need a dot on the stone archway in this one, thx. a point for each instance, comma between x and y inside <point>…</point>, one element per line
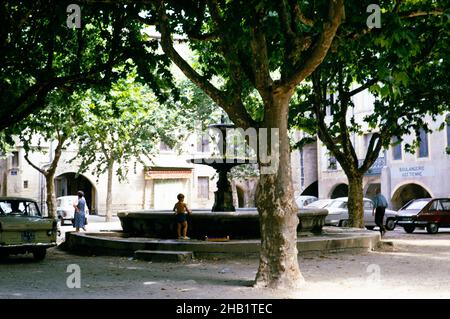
<point>406,192</point>
<point>311,190</point>
<point>69,183</point>
<point>340,190</point>
<point>240,192</point>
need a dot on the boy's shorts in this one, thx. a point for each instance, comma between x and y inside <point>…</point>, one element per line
<point>181,218</point>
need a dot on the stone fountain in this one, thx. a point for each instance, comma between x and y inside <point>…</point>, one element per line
<point>223,197</point>
<point>223,219</point>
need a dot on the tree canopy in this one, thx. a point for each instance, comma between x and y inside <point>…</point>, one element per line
<point>391,63</point>
<point>38,52</point>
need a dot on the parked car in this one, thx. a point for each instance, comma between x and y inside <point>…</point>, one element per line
<point>304,200</point>
<point>23,229</point>
<point>338,214</point>
<point>64,208</point>
<point>321,203</point>
<point>430,213</point>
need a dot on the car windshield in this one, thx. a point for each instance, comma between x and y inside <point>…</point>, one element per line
<point>18,207</point>
<point>417,204</point>
<point>338,204</point>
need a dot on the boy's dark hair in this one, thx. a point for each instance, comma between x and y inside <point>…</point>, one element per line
<point>180,196</point>
<point>80,194</point>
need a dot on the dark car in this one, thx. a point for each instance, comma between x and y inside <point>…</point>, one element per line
<point>425,212</point>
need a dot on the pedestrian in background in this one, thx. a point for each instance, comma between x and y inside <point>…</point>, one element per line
<point>80,212</point>
<point>379,207</point>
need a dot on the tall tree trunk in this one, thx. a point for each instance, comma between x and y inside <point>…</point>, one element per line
<point>278,267</point>
<point>49,175</point>
<point>355,200</point>
<point>51,197</point>
<point>109,191</point>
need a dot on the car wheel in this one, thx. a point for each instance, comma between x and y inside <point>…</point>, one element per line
<point>409,229</point>
<point>39,254</point>
<point>370,227</point>
<point>61,220</point>
<point>343,223</point>
<point>390,224</point>
<point>432,228</point>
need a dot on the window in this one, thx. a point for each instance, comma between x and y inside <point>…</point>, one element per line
<point>15,159</point>
<point>396,149</point>
<point>25,184</point>
<point>332,163</point>
<point>445,204</point>
<point>302,169</point>
<point>436,205</point>
<point>203,187</point>
<point>164,147</point>
<point>203,143</point>
<point>423,146</point>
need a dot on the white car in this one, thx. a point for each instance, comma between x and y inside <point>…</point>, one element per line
<point>304,200</point>
<point>64,208</point>
<point>321,203</point>
<point>338,214</point>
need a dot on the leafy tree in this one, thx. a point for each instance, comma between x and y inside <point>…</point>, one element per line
<point>392,63</point>
<point>240,46</point>
<point>117,126</point>
<point>39,53</point>
<point>56,122</point>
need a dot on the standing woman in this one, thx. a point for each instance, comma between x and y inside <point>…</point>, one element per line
<point>80,212</point>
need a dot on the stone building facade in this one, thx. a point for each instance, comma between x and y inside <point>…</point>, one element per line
<point>402,176</point>
<point>152,186</point>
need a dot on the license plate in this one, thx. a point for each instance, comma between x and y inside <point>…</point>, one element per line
<point>28,236</point>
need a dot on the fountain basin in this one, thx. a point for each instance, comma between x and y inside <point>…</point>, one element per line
<point>241,224</point>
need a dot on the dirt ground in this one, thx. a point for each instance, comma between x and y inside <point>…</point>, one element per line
<point>417,267</point>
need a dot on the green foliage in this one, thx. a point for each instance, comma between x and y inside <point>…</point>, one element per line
<point>38,53</point>
<point>118,125</point>
<point>392,62</point>
<point>57,121</point>
<point>128,123</point>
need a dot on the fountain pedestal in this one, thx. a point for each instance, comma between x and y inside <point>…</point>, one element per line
<point>223,197</point>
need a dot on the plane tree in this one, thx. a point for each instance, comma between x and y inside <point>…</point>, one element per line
<point>392,63</point>
<point>40,53</point>
<point>51,126</point>
<point>256,46</point>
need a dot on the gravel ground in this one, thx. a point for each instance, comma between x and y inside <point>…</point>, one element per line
<point>418,266</point>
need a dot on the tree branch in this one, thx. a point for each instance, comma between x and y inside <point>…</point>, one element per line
<point>422,13</point>
<point>298,14</point>
<point>320,47</point>
<point>363,87</point>
<point>372,152</point>
<point>40,170</point>
<point>238,114</point>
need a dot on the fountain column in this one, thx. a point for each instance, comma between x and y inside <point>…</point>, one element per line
<point>223,197</point>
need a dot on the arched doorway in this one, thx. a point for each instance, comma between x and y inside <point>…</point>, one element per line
<point>341,190</point>
<point>406,192</point>
<point>68,184</point>
<point>372,190</point>
<point>312,190</point>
